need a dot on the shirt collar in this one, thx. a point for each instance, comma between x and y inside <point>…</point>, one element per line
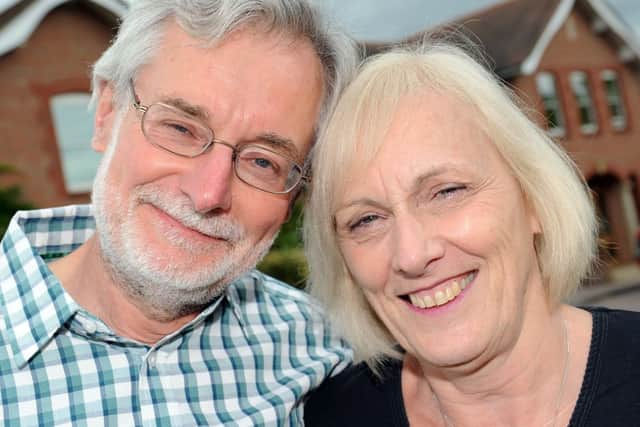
<point>33,303</point>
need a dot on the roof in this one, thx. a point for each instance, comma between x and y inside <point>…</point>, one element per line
<point>20,18</point>
<point>516,33</point>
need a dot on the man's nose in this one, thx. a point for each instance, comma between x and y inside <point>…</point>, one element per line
<point>415,246</point>
<point>209,179</point>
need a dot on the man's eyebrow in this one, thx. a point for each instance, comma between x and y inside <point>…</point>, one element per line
<point>277,142</point>
<point>195,111</point>
<point>281,145</point>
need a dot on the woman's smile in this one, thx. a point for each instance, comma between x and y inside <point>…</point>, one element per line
<point>442,293</point>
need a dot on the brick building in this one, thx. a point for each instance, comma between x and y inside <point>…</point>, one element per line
<point>578,64</point>
<point>575,61</point>
<point>46,49</point>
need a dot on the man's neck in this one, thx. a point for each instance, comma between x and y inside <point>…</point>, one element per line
<point>86,278</point>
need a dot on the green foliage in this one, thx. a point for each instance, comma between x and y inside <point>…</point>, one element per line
<point>290,234</point>
<point>286,259</point>
<point>288,265</point>
<point>10,200</point>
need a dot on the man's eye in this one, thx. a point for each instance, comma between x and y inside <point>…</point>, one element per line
<point>257,160</point>
<point>263,163</point>
<point>179,128</point>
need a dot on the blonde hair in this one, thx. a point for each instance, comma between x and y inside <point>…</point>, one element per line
<point>549,179</point>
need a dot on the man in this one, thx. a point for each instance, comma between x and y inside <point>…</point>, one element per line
<point>206,112</point>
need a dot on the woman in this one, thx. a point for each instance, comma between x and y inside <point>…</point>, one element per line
<point>444,231</point>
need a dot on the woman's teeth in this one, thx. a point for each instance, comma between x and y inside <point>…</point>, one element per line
<point>442,295</point>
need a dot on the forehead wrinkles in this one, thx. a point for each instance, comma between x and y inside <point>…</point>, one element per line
<point>241,89</point>
<point>372,184</point>
<point>218,114</point>
<point>427,120</point>
<point>360,159</point>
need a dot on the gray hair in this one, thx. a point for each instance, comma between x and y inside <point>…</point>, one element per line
<point>549,179</point>
<point>211,21</point>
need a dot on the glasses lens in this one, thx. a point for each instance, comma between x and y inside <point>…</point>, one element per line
<point>174,131</point>
<point>267,170</point>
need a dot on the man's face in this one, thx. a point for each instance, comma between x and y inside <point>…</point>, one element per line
<point>173,230</point>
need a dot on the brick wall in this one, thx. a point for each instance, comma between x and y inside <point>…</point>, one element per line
<point>609,158</point>
<point>55,59</point>
<point>576,47</point>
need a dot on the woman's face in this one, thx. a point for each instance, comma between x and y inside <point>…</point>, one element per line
<point>438,236</point>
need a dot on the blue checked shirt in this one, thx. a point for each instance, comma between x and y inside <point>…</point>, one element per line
<point>245,361</point>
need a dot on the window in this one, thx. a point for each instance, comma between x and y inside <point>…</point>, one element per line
<point>73,124</point>
<point>546,85</point>
<point>582,94</point>
<point>617,114</point>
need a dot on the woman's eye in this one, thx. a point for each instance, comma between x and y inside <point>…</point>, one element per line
<point>363,222</point>
<point>450,191</point>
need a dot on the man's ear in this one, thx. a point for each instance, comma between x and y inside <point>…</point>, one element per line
<point>104,118</point>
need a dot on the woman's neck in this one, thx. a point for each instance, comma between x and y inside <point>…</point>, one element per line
<point>521,385</point>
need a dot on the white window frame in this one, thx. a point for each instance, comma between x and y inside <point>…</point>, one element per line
<point>73,127</point>
<point>581,89</point>
<point>547,86</point>
<point>615,99</point>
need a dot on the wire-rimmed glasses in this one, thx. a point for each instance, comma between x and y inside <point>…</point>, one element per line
<point>176,131</point>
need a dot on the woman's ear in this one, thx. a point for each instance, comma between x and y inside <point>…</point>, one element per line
<point>104,118</point>
<point>534,223</point>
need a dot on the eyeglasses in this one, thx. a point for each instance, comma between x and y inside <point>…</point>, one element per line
<point>177,132</point>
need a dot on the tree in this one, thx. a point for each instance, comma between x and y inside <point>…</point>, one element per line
<point>286,259</point>
<point>11,199</point>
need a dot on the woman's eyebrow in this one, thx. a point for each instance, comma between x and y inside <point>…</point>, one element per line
<point>360,202</point>
<point>433,172</point>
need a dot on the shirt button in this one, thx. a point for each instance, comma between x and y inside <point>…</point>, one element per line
<point>151,360</point>
<point>90,326</point>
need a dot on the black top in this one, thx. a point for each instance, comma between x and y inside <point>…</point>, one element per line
<point>610,393</point>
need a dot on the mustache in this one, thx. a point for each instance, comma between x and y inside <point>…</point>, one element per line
<point>180,209</point>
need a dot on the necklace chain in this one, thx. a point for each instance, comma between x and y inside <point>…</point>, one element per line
<point>553,421</point>
<point>567,353</point>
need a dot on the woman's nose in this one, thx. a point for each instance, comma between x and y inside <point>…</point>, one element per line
<point>416,246</point>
